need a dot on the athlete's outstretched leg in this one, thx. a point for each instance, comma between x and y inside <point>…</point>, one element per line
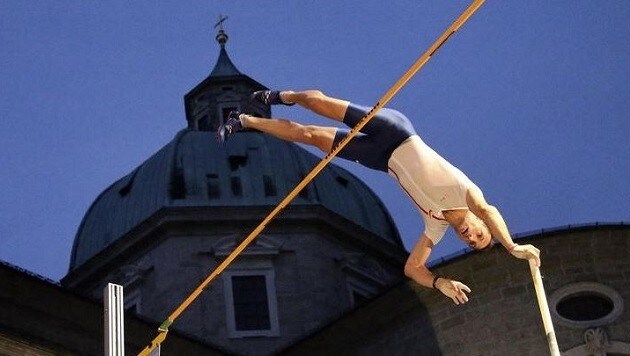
<point>319,136</point>
<point>313,100</point>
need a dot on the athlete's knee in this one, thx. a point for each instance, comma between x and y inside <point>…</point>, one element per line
<point>322,104</point>
<point>309,134</point>
<point>317,136</point>
<point>313,93</point>
<point>313,97</point>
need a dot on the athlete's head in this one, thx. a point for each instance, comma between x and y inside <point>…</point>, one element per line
<point>474,232</point>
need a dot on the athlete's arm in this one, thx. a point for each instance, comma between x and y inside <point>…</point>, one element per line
<point>497,226</point>
<point>416,269</point>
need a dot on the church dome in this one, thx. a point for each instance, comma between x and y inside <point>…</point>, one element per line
<point>252,169</point>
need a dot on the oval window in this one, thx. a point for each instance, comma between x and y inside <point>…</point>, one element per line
<point>584,307</point>
<point>585,304</point>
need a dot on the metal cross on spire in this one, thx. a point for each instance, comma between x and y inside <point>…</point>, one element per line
<point>221,36</point>
<point>219,23</point>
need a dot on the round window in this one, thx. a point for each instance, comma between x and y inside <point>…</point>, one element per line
<point>586,305</point>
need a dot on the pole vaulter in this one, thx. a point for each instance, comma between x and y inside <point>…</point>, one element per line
<point>163,329</point>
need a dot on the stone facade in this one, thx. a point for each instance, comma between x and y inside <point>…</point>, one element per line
<point>502,316</point>
<point>315,264</point>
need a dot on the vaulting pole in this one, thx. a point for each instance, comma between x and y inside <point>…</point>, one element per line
<point>163,329</point>
<point>544,309</point>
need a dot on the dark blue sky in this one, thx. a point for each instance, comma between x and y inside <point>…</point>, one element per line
<point>530,98</point>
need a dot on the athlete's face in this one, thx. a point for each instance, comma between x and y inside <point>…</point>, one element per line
<point>474,233</point>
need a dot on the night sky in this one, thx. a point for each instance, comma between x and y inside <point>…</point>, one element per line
<point>531,99</point>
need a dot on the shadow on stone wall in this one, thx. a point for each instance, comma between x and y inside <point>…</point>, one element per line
<point>395,323</point>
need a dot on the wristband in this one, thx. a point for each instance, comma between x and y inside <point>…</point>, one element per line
<point>435,280</point>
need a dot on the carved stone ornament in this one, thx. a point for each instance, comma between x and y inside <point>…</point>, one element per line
<point>596,341</point>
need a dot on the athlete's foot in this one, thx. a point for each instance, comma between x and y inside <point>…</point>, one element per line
<point>269,97</point>
<point>232,125</point>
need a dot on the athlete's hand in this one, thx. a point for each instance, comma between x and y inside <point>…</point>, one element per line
<point>526,252</point>
<point>453,289</point>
